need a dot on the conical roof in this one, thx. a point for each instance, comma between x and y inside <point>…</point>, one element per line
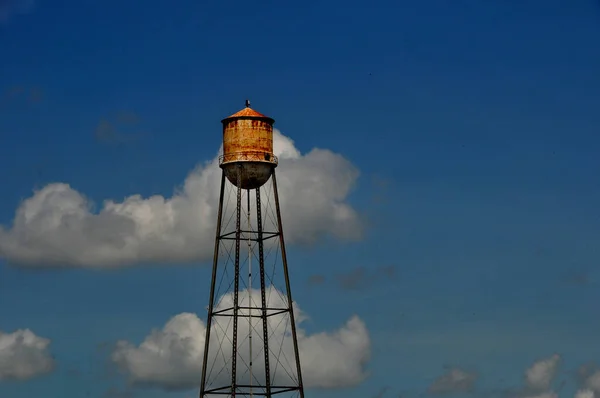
<point>248,112</point>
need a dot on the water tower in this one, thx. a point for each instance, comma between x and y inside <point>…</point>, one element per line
<point>241,322</point>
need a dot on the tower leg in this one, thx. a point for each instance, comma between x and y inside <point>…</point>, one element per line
<point>250,292</point>
<point>287,284</point>
<point>236,289</point>
<point>211,300</point>
<point>263,289</point>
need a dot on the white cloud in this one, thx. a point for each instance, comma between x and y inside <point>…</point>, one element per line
<point>58,226</point>
<point>454,380</point>
<point>541,374</point>
<point>23,355</point>
<point>592,382</point>
<point>539,378</point>
<point>171,358</point>
<point>584,394</point>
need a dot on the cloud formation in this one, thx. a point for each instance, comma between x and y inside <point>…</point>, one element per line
<point>19,93</point>
<point>23,355</point>
<point>118,131</point>
<point>455,380</point>
<point>541,374</point>
<point>362,277</point>
<point>171,358</point>
<point>538,382</point>
<point>584,394</point>
<point>590,380</point>
<point>356,279</point>
<point>539,378</point>
<point>58,225</point>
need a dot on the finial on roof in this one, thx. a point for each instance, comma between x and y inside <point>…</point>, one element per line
<point>247,103</point>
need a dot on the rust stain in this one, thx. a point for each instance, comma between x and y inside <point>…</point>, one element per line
<point>248,112</point>
<point>248,142</point>
<point>248,136</point>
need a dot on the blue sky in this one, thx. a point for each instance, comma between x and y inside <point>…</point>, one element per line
<point>474,125</point>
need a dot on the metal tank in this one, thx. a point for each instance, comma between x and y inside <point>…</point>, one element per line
<point>248,146</point>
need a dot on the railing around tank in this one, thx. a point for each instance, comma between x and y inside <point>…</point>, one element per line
<point>248,156</point>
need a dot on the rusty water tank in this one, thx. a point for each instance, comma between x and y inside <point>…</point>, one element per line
<point>248,146</point>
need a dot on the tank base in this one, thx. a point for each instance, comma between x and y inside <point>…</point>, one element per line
<point>254,174</point>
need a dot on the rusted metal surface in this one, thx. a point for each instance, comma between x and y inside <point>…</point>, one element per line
<point>249,112</point>
<point>248,157</point>
<point>248,140</point>
<point>253,174</point>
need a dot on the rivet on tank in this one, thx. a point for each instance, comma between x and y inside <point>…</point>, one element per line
<point>248,147</point>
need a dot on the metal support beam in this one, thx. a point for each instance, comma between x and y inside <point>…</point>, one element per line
<point>211,299</point>
<point>263,292</point>
<point>287,284</point>
<point>264,384</point>
<point>236,289</point>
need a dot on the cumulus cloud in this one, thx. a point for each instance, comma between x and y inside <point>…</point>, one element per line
<point>455,380</point>
<point>591,381</point>
<point>538,379</point>
<point>23,355</point>
<point>541,374</point>
<point>585,394</point>
<point>58,226</point>
<point>171,358</point>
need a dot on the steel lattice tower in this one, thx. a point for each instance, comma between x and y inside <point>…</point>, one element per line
<point>244,357</point>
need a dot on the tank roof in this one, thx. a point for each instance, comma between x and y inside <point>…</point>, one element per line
<point>248,112</point>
